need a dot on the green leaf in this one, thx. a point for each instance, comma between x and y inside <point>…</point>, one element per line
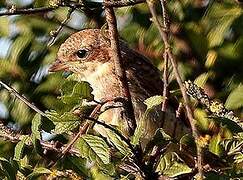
<point>233,126</point>
<point>114,139</point>
<point>35,127</point>
<point>203,78</point>
<point>8,169</point>
<point>19,148</point>
<point>38,172</point>
<point>153,101</point>
<point>201,119</point>
<point>78,164</point>
<point>63,123</point>
<point>215,145</point>
<point>65,127</point>
<point>138,132</point>
<point>222,17</point>
<point>235,99</point>
<point>4,23</point>
<point>74,92</point>
<point>188,141</point>
<point>171,165</point>
<point>19,45</point>
<point>65,117</point>
<point>93,148</point>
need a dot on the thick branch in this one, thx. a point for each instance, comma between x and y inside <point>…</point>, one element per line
<point>119,68</point>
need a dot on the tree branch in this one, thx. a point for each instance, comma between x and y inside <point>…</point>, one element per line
<point>119,68</point>
<point>57,31</point>
<point>121,3</point>
<point>21,98</point>
<point>164,33</point>
<point>14,137</point>
<point>27,11</point>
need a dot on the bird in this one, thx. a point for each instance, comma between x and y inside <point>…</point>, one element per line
<point>87,54</point>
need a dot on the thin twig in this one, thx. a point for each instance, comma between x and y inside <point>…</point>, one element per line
<point>15,138</point>
<point>83,129</point>
<point>30,11</point>
<point>119,68</point>
<point>165,83</point>
<point>7,134</point>
<point>165,72</point>
<point>121,3</point>
<point>27,11</point>
<point>164,35</point>
<point>23,99</point>
<point>57,31</point>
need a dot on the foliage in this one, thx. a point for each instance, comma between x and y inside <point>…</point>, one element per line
<point>207,42</point>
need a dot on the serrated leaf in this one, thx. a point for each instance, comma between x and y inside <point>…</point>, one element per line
<point>113,138</point>
<point>65,117</point>
<point>63,123</point>
<point>171,165</point>
<point>74,92</point>
<point>93,148</point>
<point>19,148</point>
<point>235,99</point>
<point>35,126</point>
<point>65,127</point>
<point>153,101</point>
<point>38,172</point>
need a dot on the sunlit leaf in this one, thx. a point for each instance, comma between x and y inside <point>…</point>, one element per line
<point>153,101</point>
<point>235,99</point>
<point>215,146</point>
<point>35,127</point>
<point>223,17</point>
<point>38,172</point>
<point>19,148</point>
<point>65,127</point>
<point>115,140</point>
<point>171,165</point>
<point>93,148</point>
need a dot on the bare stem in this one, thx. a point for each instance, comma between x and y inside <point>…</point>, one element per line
<point>164,32</point>
<point>26,11</point>
<point>23,99</point>
<point>121,3</point>
<point>57,31</point>
<point>14,137</point>
<point>119,67</point>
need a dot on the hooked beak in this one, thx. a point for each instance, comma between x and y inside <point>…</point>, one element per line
<point>57,66</point>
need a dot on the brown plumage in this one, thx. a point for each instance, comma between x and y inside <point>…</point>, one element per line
<point>87,54</point>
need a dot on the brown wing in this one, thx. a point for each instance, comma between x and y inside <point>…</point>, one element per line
<point>141,74</point>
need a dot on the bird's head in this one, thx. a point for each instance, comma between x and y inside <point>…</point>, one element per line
<point>82,51</point>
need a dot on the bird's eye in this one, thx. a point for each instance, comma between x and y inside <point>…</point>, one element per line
<point>82,53</point>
